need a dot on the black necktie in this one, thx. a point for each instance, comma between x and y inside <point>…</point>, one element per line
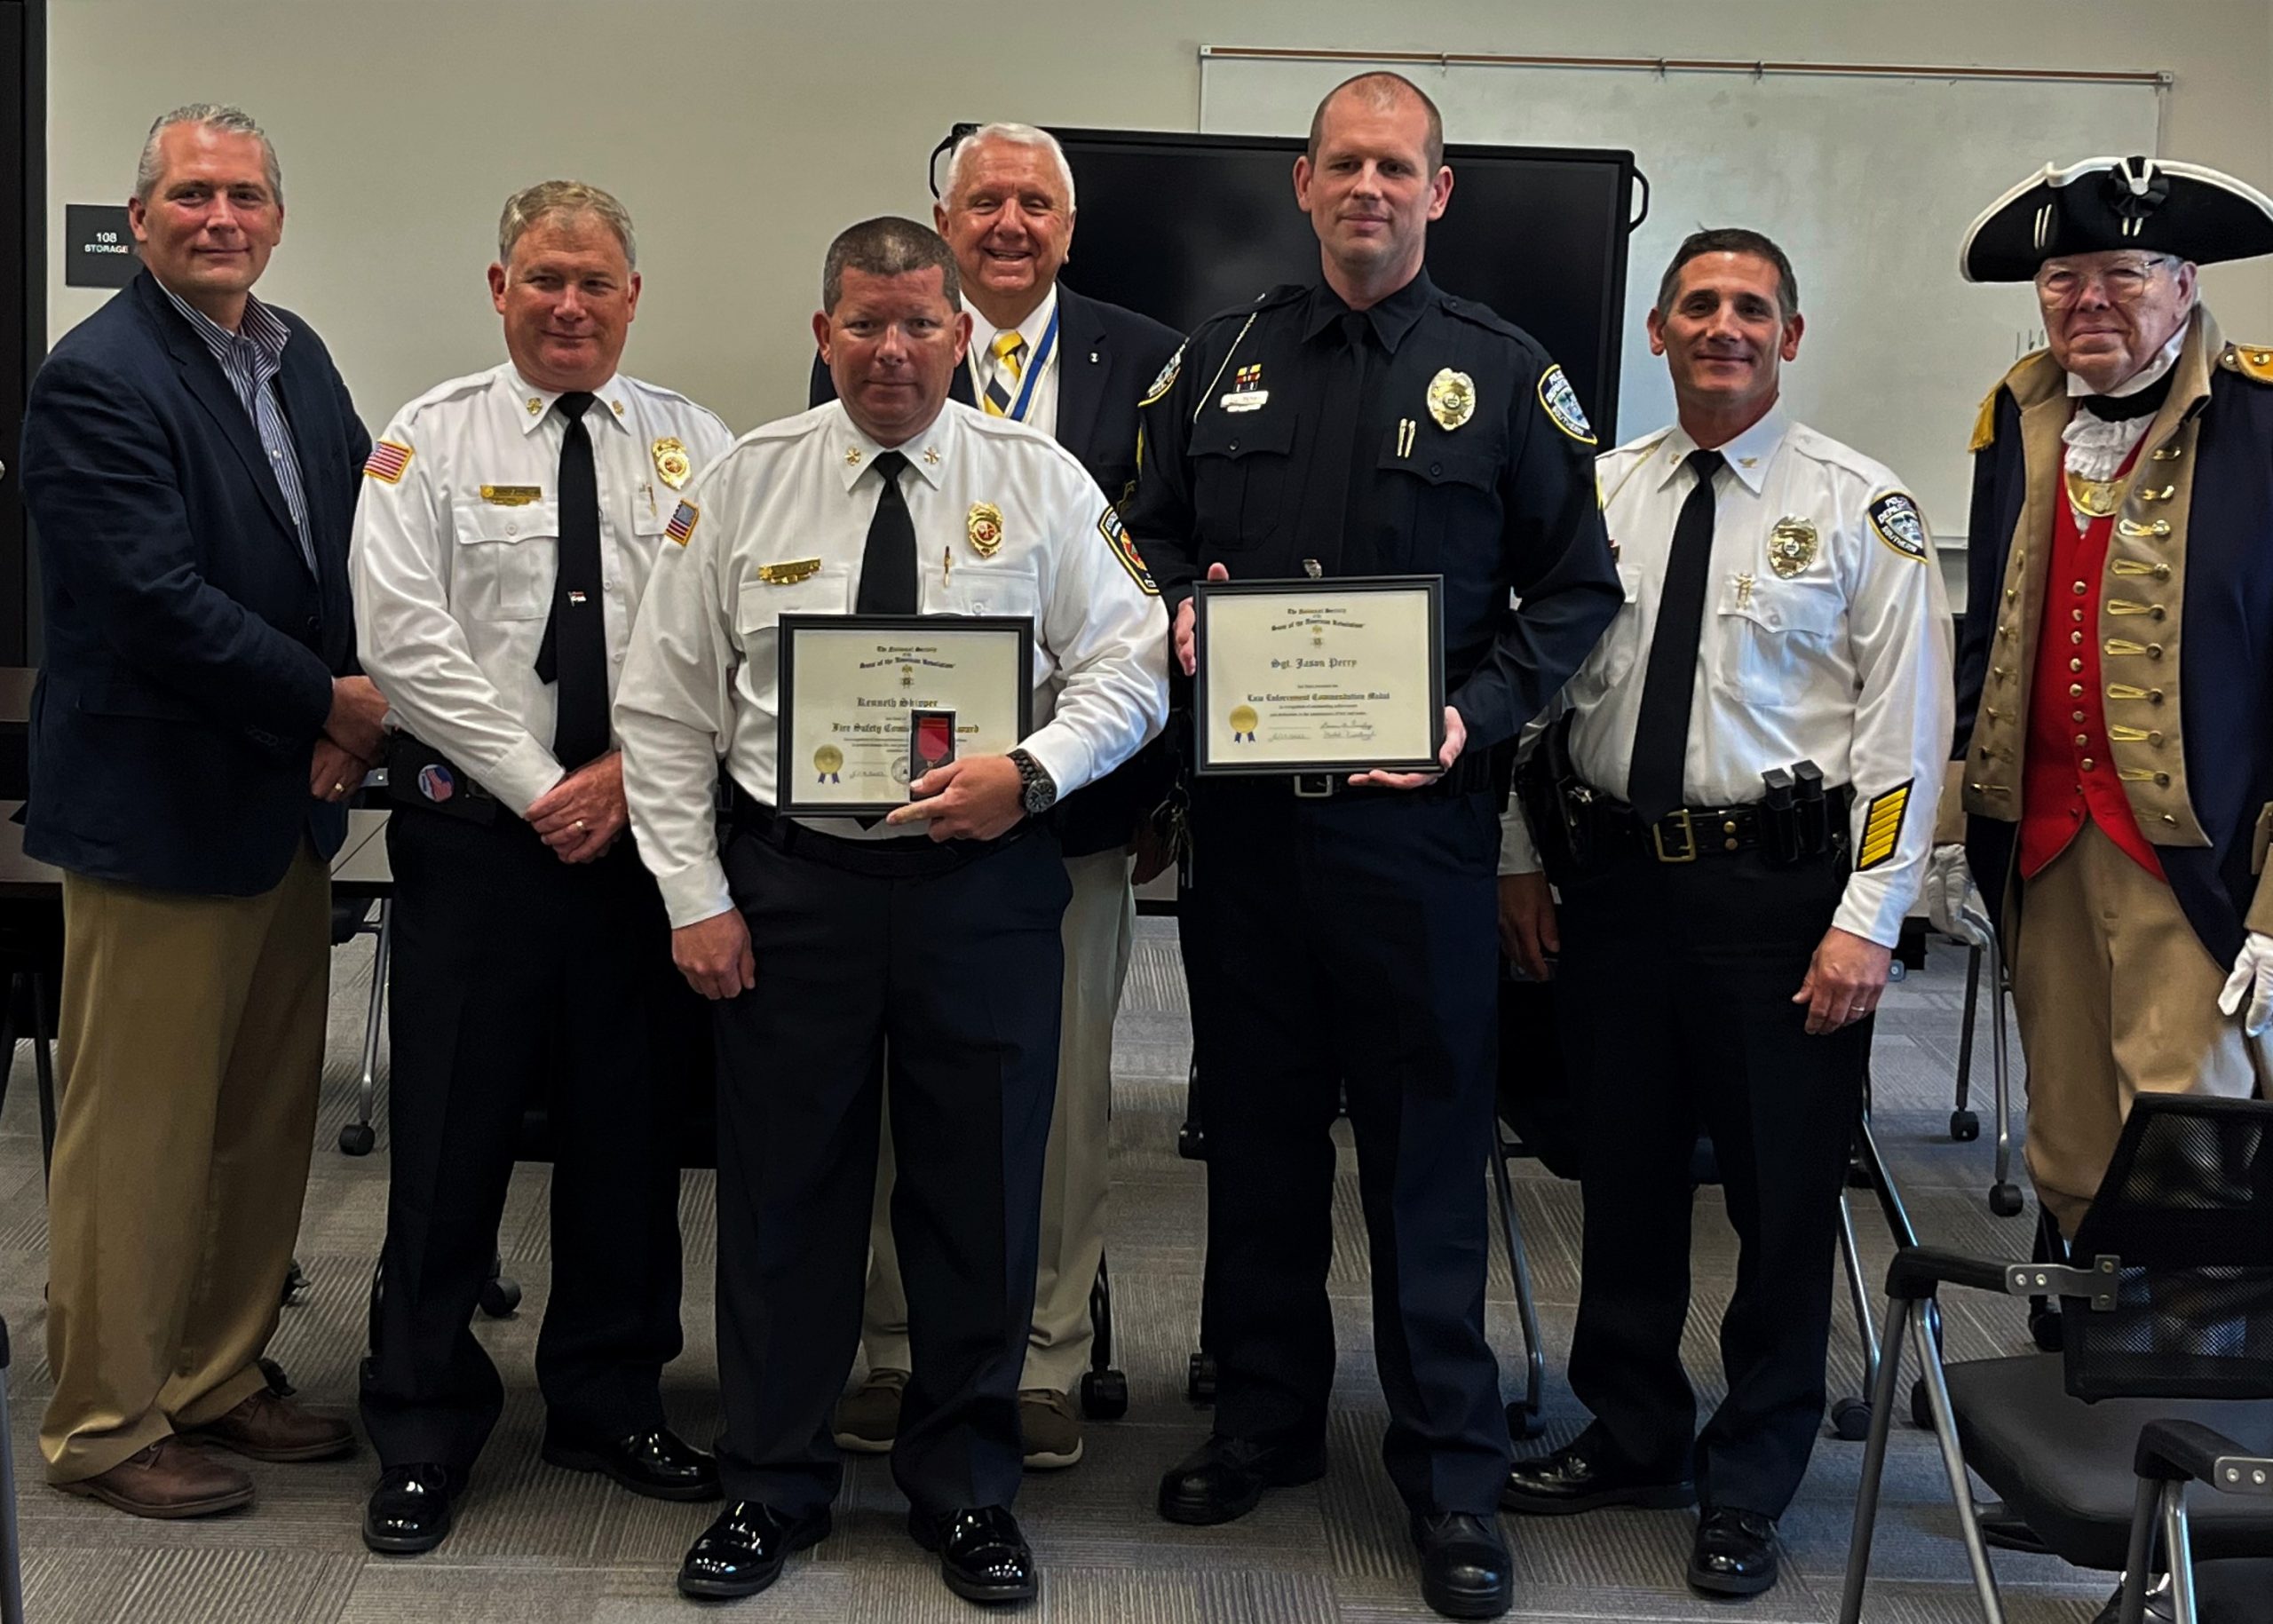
<point>888,566</point>
<point>1662,735</point>
<point>574,651</point>
<point>1338,473</point>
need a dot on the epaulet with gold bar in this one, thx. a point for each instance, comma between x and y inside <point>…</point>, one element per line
<point>2250,360</point>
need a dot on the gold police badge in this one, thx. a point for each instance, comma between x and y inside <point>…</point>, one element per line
<point>672,464</point>
<point>983,526</point>
<point>1452,398</point>
<point>1791,546</point>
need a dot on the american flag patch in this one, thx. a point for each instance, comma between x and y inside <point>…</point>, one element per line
<point>387,460</point>
<point>681,529</point>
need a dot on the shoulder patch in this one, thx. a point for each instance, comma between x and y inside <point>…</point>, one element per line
<point>1562,404</point>
<point>683,518</point>
<point>1882,828</point>
<point>1162,384</point>
<point>1124,549</point>
<point>1985,427</point>
<point>387,460</point>
<point>2251,360</point>
<point>1895,520</point>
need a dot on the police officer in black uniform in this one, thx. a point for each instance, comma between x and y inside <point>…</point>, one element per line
<point>1367,423</point>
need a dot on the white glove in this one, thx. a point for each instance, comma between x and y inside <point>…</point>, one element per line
<point>1953,904</point>
<point>2252,978</point>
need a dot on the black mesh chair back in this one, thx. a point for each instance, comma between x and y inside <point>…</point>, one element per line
<point>2187,1206</point>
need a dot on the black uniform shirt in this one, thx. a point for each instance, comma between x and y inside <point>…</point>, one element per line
<point>1297,431</point>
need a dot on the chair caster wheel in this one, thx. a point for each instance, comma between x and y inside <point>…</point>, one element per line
<point>1191,1141</point>
<point>1922,1413</point>
<point>500,1296</point>
<point>1104,1395</point>
<point>1965,1127</point>
<point>1199,1381</point>
<point>2044,1328</point>
<point>2005,1200</point>
<point>356,1139</point>
<point>1523,1422</point>
<point>1850,1420</point>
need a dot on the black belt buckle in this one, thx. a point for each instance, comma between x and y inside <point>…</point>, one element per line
<point>1677,818</point>
<point>1314,786</point>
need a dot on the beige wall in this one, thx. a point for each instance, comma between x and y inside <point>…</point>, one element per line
<point>743,133</point>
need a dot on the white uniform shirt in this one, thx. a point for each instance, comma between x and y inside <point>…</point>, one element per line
<point>456,550</point>
<point>1041,411</point>
<point>701,678</point>
<point>1846,662</point>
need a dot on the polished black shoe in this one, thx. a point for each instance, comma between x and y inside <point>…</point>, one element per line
<point>1466,1571</point>
<point>1225,1477</point>
<point>1584,1476</point>
<point>1735,1553</point>
<point>658,1463</point>
<point>409,1511</point>
<point>743,1552</point>
<point>982,1555</point>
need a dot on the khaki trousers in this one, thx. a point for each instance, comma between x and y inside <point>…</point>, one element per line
<point>2116,997</point>
<point>191,1049</point>
<point>1099,929</point>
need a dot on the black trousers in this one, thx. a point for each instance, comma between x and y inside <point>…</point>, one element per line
<point>1676,986</point>
<point>1347,946</point>
<point>520,979</point>
<point>955,975</point>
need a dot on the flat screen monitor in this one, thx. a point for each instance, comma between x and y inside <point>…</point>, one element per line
<point>1181,226</point>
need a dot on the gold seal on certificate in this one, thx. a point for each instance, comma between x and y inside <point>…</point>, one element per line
<point>1310,677</point>
<point>853,686</point>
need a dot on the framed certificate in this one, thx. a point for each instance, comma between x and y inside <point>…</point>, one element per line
<point>1320,675</point>
<point>852,686</point>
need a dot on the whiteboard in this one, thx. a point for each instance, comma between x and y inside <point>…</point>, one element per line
<point>1868,183</point>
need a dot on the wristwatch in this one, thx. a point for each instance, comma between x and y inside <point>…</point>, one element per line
<point>1036,788</point>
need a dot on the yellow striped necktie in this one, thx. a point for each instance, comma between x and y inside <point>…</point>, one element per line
<point>1009,350</point>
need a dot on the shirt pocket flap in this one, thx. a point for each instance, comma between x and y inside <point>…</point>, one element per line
<point>1441,466</point>
<point>510,523</point>
<point>1811,609</point>
<point>1238,435</point>
<point>760,604</point>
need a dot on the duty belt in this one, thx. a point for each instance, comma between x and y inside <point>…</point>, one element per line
<point>1469,774</point>
<point>1614,829</point>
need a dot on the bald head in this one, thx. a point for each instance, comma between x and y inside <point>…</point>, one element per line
<point>1381,91</point>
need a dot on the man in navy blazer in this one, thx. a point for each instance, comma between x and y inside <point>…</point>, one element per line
<point>1074,368</point>
<point>190,462</point>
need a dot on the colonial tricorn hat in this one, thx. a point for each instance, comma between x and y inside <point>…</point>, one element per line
<point>2100,203</point>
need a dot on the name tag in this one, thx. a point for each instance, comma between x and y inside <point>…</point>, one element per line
<point>790,573</point>
<point>512,495</point>
<point>1245,400</point>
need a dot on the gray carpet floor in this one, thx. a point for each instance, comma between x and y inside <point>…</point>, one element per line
<point>538,1546</point>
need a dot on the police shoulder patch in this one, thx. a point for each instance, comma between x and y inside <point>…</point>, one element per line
<point>1162,384</point>
<point>1895,519</point>
<point>387,460</point>
<point>1562,403</point>
<point>1882,826</point>
<point>1124,549</point>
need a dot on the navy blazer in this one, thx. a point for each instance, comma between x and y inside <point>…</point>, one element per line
<point>190,652</point>
<point>1107,357</point>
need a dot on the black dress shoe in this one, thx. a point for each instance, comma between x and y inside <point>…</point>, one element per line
<point>982,1555</point>
<point>743,1552</point>
<point>1466,1571</point>
<point>1583,1475</point>
<point>1735,1553</point>
<point>1225,1477</point>
<point>409,1511</point>
<point>658,1463</point>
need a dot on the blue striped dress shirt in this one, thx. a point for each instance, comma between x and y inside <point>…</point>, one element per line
<point>250,359</point>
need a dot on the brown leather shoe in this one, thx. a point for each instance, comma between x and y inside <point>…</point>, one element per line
<point>269,1427</point>
<point>168,1479</point>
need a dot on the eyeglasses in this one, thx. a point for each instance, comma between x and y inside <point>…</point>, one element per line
<point>2125,281</point>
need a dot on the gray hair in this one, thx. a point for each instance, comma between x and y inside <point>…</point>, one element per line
<point>211,115</point>
<point>888,246</point>
<point>1013,135</point>
<point>555,199</point>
